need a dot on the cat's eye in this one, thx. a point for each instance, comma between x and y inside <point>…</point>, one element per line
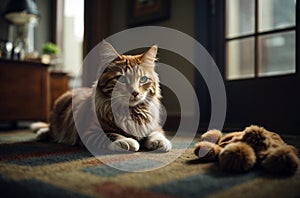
<point>122,79</point>
<point>144,79</point>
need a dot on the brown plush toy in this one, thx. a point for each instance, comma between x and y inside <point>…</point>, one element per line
<point>241,151</point>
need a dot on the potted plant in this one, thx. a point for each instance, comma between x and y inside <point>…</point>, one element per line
<point>50,48</point>
<point>50,53</point>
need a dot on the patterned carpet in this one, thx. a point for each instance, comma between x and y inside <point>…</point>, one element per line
<point>39,169</point>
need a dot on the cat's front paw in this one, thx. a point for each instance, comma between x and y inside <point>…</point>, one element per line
<point>157,141</point>
<point>127,144</point>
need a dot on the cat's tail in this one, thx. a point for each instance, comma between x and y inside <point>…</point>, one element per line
<point>41,129</point>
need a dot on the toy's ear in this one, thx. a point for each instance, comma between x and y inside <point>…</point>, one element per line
<point>231,137</point>
<point>207,151</point>
<point>213,136</point>
<point>257,137</point>
<point>150,55</point>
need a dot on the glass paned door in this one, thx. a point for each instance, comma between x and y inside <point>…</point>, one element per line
<point>260,38</point>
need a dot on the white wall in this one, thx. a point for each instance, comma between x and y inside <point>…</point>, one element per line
<point>72,49</point>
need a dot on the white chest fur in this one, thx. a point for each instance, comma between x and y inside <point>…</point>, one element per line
<point>131,126</point>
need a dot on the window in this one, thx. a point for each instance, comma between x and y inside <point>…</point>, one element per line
<point>260,38</point>
<point>73,36</point>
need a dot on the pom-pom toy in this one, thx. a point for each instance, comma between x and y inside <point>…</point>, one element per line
<point>241,151</point>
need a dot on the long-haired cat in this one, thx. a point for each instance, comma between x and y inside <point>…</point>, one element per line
<point>127,103</point>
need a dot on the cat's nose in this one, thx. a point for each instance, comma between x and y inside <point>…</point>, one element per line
<point>134,93</point>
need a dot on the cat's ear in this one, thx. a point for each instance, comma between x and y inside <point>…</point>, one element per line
<point>150,55</point>
<point>107,51</point>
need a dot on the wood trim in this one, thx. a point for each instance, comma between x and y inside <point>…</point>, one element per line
<point>257,51</point>
<point>96,23</point>
<point>23,63</point>
<point>58,22</point>
<point>297,37</point>
<point>96,28</point>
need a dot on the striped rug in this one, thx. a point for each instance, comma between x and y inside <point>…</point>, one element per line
<point>39,169</point>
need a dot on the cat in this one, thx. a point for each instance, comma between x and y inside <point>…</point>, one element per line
<point>127,103</point>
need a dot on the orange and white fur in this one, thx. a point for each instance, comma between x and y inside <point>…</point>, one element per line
<point>128,84</point>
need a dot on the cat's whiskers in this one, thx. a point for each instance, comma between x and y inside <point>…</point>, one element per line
<point>147,100</point>
<point>115,100</point>
<point>114,103</point>
<point>117,96</point>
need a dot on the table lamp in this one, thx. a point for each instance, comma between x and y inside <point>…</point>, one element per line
<point>22,16</point>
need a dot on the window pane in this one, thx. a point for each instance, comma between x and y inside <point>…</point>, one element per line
<point>240,58</point>
<point>277,53</point>
<point>73,36</point>
<point>274,14</point>
<point>240,17</point>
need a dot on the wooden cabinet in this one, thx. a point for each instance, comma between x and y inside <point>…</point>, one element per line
<point>26,90</point>
<point>59,84</point>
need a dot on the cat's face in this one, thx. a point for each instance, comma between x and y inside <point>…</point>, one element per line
<point>131,80</point>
